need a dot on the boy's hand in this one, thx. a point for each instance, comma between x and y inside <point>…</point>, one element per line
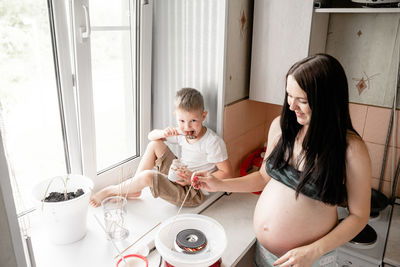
<point>170,131</point>
<point>185,175</point>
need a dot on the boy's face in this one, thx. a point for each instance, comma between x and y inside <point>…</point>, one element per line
<point>190,122</point>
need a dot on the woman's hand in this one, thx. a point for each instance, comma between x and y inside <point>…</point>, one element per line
<point>170,131</point>
<point>298,257</point>
<point>206,181</point>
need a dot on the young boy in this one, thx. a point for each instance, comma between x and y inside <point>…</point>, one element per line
<point>201,150</point>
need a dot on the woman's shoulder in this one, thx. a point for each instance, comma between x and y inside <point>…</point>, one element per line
<point>353,138</point>
<point>276,125</point>
<point>275,128</point>
<point>355,146</point>
<point>358,166</point>
<point>274,134</point>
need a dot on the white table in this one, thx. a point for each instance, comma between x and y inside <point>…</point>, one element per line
<point>234,212</point>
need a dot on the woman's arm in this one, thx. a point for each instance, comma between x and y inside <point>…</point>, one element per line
<point>249,183</point>
<point>255,181</point>
<point>358,185</point>
<point>224,170</point>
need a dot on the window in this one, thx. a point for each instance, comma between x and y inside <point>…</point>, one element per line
<point>71,96</point>
<point>113,57</point>
<point>28,95</point>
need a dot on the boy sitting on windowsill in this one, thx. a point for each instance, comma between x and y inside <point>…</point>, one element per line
<point>201,150</point>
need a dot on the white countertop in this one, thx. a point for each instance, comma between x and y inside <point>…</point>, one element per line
<point>234,212</point>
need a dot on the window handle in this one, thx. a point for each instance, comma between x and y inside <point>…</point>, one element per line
<point>85,31</point>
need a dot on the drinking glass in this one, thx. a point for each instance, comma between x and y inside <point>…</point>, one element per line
<point>114,217</point>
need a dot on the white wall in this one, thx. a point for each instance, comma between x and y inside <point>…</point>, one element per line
<point>188,51</point>
<point>367,45</point>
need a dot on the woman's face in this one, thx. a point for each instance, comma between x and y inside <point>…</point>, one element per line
<point>297,100</point>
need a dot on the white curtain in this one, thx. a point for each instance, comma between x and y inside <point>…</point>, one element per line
<point>188,51</point>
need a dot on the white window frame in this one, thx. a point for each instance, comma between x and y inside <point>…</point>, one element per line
<point>77,111</point>
<point>128,169</point>
<point>66,89</point>
<point>79,120</point>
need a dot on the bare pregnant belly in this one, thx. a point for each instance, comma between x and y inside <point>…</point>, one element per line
<point>282,222</point>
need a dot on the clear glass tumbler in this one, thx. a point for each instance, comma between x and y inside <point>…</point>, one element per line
<point>114,209</point>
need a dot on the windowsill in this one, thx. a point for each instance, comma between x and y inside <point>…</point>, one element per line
<point>94,249</point>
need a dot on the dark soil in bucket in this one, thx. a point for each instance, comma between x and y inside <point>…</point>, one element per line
<point>58,197</point>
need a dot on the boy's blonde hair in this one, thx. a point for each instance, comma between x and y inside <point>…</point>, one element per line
<point>189,99</point>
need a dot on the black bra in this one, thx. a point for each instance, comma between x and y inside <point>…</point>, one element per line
<point>289,176</point>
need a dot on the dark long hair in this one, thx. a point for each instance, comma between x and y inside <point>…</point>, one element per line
<point>323,79</point>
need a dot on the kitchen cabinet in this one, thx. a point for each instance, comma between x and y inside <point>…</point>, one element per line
<point>281,31</point>
<point>287,31</point>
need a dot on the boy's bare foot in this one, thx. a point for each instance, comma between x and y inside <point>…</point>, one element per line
<point>113,190</point>
<point>97,198</point>
<point>134,195</point>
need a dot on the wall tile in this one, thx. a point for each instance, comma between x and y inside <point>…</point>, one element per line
<point>396,130</point>
<point>376,154</point>
<point>376,125</point>
<point>391,165</point>
<point>358,114</point>
<point>242,146</point>
<point>245,115</point>
<point>234,115</point>
<point>398,189</point>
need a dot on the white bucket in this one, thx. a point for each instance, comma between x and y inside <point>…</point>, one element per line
<point>65,221</point>
<point>214,232</point>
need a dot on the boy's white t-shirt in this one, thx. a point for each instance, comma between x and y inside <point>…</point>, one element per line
<point>203,154</point>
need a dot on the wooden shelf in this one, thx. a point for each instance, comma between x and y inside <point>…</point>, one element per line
<point>357,10</point>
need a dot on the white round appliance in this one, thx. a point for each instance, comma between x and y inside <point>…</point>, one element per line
<point>166,240</point>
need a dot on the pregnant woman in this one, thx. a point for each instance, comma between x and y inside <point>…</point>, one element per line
<point>315,161</point>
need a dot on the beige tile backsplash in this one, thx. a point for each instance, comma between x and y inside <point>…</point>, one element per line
<point>358,115</point>
<point>246,126</point>
<point>376,125</point>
